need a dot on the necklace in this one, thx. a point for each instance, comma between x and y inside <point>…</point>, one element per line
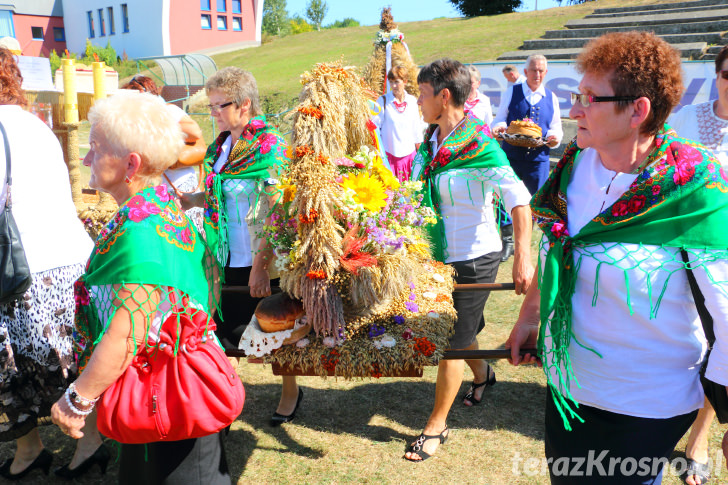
<point>609,186</point>
<point>400,107</point>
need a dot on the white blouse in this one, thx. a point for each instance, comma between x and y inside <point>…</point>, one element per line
<point>698,122</point>
<point>50,230</point>
<point>651,354</point>
<point>400,128</point>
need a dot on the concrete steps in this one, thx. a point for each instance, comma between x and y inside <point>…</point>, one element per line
<point>692,27</point>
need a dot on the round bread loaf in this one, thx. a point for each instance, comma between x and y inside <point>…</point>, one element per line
<point>524,127</point>
<point>278,312</point>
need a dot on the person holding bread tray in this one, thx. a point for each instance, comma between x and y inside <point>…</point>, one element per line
<point>523,107</point>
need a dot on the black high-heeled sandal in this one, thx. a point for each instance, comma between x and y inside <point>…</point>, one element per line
<point>416,446</point>
<point>489,381</point>
<point>42,461</point>
<point>100,456</point>
<point>279,419</point>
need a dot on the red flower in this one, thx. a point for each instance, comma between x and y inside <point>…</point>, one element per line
<point>268,143</point>
<point>655,189</point>
<point>636,203</point>
<point>620,208</point>
<point>214,217</point>
<point>684,159</point>
<point>140,209</point>
<point>209,179</point>
<point>559,229</point>
<point>473,146</point>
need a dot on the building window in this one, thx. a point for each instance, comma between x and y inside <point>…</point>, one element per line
<point>124,17</point>
<point>6,23</point>
<point>110,12</point>
<point>236,6</point>
<point>221,7</point>
<point>36,33</point>
<point>205,5</point>
<point>221,22</point>
<point>102,23</point>
<point>59,35</point>
<point>237,23</point>
<point>90,16</point>
<point>206,22</point>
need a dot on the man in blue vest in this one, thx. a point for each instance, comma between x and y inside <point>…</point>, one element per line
<point>531,100</point>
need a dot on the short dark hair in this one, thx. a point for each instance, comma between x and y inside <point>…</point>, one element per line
<point>722,56</point>
<point>509,68</point>
<point>450,74</point>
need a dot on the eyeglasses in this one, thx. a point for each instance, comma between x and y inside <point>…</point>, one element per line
<point>724,74</point>
<point>587,99</point>
<point>219,107</point>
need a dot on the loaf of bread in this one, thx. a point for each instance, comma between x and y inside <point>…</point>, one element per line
<point>524,127</point>
<point>278,312</point>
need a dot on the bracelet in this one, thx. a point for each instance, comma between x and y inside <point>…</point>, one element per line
<point>79,399</point>
<point>75,410</point>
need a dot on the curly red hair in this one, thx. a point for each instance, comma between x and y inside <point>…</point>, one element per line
<point>143,84</point>
<point>638,64</point>
<point>10,80</point>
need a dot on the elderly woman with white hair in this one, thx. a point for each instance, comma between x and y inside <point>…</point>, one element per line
<point>478,104</point>
<point>147,269</point>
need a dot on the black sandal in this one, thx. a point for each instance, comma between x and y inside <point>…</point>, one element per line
<point>700,470</point>
<point>470,395</point>
<point>416,447</point>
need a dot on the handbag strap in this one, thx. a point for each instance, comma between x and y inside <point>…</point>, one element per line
<point>705,318</point>
<point>8,178</point>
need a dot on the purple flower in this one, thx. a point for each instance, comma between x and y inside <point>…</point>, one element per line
<point>412,297</point>
<point>411,306</point>
<point>412,285</point>
<point>375,331</point>
<point>399,319</point>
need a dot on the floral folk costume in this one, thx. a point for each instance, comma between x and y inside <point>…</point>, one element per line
<point>469,146</point>
<point>678,200</point>
<point>149,242</point>
<point>259,150</point>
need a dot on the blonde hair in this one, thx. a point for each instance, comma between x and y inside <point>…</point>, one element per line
<point>238,84</point>
<point>134,122</point>
<point>474,73</point>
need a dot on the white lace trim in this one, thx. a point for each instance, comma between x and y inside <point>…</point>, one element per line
<point>257,343</point>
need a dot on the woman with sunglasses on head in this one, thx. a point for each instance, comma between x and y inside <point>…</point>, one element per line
<point>706,123</point>
<point>243,163</point>
<point>630,215</point>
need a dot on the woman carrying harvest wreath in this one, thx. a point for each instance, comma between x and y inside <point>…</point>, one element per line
<point>461,168</point>
<point>618,332</point>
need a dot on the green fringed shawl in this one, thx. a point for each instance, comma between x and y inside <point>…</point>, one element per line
<point>678,200</point>
<point>468,146</point>
<point>148,242</point>
<point>259,150</point>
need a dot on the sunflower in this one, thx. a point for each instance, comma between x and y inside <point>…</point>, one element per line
<point>389,180</point>
<point>369,191</point>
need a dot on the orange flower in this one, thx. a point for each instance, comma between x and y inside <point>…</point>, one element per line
<point>307,219</point>
<point>316,275</point>
<point>303,150</point>
<point>311,111</point>
<point>323,159</point>
<point>442,297</point>
<point>424,346</point>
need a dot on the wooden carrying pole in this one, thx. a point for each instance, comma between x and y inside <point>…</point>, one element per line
<point>458,287</point>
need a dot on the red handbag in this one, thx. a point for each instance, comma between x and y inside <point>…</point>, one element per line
<point>166,397</point>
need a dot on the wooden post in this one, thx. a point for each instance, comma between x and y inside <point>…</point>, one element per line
<point>70,98</point>
<point>99,80</point>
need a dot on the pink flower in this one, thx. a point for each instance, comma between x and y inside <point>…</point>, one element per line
<point>486,129</point>
<point>620,208</point>
<point>344,162</point>
<point>711,167</point>
<point>267,143</point>
<point>162,193</point>
<point>257,124</point>
<point>209,179</point>
<point>558,229</point>
<point>186,236</point>
<point>407,334</point>
<point>683,174</point>
<point>214,217</point>
<point>140,209</point>
<point>686,157</point>
<point>655,189</point>
<point>636,203</point>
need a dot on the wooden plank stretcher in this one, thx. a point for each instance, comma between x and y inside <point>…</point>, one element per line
<point>493,354</point>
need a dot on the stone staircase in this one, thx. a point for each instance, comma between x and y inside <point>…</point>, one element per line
<point>698,29</point>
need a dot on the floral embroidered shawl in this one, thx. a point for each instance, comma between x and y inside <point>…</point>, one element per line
<point>148,242</point>
<point>469,146</point>
<point>678,200</point>
<point>259,149</point>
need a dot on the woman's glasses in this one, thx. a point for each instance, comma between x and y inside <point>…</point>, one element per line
<point>587,99</point>
<point>219,107</point>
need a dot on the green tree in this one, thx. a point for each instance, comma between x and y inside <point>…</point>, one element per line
<point>316,11</point>
<point>475,8</point>
<point>342,24</point>
<point>275,17</point>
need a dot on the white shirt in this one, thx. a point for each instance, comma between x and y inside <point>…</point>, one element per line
<point>400,130</point>
<point>51,232</point>
<point>481,108</point>
<point>184,179</point>
<point>521,78</point>
<point>239,196</point>
<point>467,206</point>
<point>532,97</point>
<point>698,122</point>
<point>648,366</point>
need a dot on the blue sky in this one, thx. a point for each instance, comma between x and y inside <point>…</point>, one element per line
<point>367,12</point>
